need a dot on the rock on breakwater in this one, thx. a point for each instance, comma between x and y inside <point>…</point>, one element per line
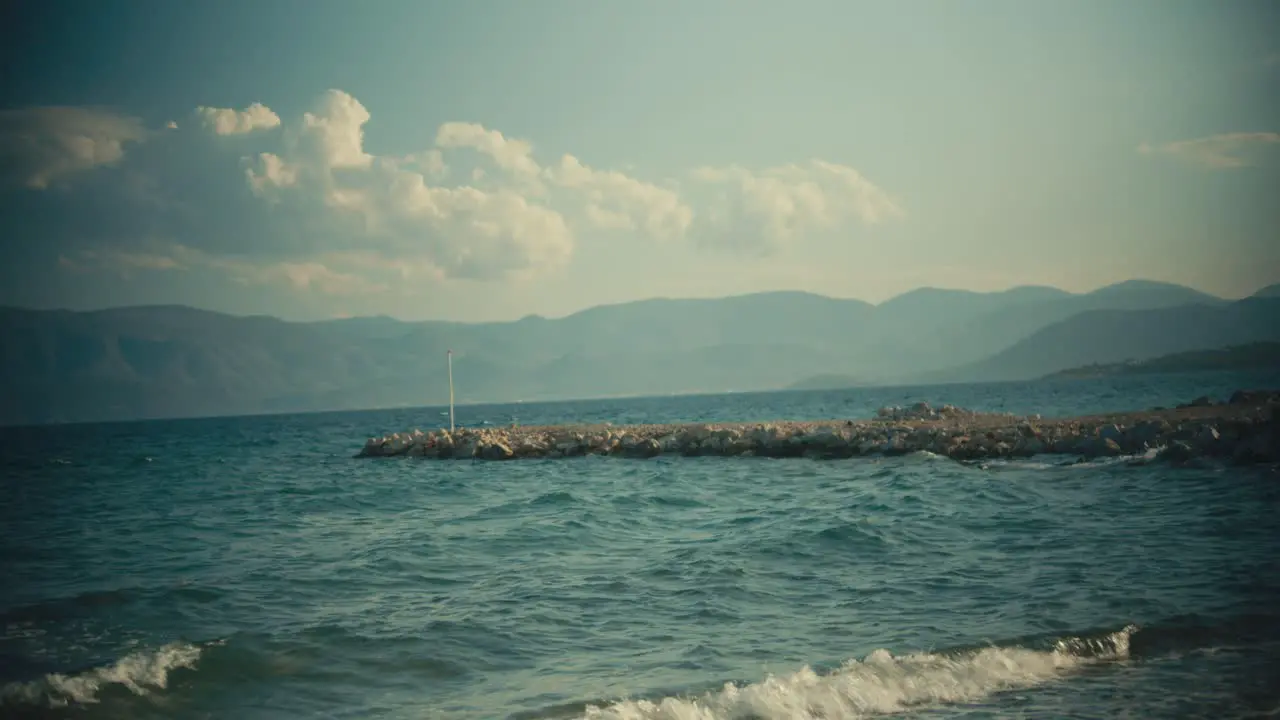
<point>1244,429</point>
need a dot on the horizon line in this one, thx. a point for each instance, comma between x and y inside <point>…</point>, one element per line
<point>652,298</point>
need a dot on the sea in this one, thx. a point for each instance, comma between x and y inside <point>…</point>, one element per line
<point>251,567</point>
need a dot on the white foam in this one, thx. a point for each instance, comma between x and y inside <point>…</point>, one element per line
<point>1028,464</point>
<point>880,684</point>
<point>139,672</point>
<point>1143,457</point>
<point>1146,456</point>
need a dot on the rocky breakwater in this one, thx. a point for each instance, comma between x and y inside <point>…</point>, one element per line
<point>1245,429</point>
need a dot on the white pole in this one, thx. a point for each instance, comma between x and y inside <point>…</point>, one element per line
<point>450,391</point>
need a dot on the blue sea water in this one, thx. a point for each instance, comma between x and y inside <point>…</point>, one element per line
<point>251,568</point>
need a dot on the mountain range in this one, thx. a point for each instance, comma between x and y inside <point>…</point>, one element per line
<point>173,361</point>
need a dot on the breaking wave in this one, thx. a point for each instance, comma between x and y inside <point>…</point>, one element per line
<point>880,684</point>
<point>139,672</point>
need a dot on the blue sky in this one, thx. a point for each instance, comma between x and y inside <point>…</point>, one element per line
<point>488,160</point>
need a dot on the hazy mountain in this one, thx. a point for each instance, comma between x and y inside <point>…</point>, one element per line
<point>175,361</point>
<point>965,330</point>
<point>935,306</point>
<point>1114,336</point>
<point>178,361</point>
<point>1269,291</point>
<point>1154,293</point>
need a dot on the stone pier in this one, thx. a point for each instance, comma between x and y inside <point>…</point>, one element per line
<point>1244,429</point>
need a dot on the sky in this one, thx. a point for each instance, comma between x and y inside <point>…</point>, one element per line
<point>489,160</point>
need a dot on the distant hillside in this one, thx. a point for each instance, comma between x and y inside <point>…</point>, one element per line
<point>1254,356</point>
<point>58,366</point>
<point>142,362</point>
<point>1115,336</point>
<point>937,330</point>
<point>1269,291</point>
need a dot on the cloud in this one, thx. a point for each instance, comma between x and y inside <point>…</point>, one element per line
<point>617,201</point>
<point>41,146</point>
<point>333,134</point>
<point>270,171</point>
<point>330,137</point>
<point>606,219</point>
<point>465,232</point>
<point>430,163</point>
<point>608,200</point>
<point>513,156</point>
<point>1226,151</point>
<point>771,208</point>
<point>228,121</point>
<point>308,208</point>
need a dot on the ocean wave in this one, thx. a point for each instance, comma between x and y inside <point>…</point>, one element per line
<point>880,684</point>
<point>1056,461</point>
<point>93,601</point>
<point>139,672</point>
<point>1134,459</point>
<point>555,499</point>
<point>847,535</point>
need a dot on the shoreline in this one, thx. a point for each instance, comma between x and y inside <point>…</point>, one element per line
<point>1245,429</point>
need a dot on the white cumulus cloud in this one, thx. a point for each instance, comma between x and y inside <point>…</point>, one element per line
<point>430,163</point>
<point>333,134</point>
<point>618,201</point>
<point>229,121</point>
<point>467,232</point>
<point>464,232</point>
<point>311,209</point>
<point>779,205</point>
<point>512,155</point>
<point>271,171</point>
